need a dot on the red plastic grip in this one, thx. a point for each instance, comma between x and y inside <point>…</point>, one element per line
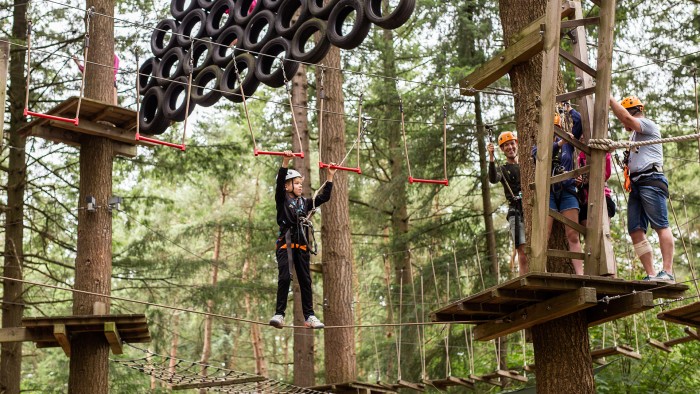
<point>262,152</point>
<point>444,182</point>
<point>51,117</point>
<point>341,168</point>
<point>159,142</point>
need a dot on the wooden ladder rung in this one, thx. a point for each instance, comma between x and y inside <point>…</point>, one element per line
<point>567,222</point>
<point>565,254</point>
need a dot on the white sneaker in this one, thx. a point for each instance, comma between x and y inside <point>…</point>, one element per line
<point>313,322</point>
<point>277,321</point>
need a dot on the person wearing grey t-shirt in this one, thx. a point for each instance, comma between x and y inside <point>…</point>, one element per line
<point>649,188</point>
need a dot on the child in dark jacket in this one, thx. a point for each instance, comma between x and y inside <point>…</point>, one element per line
<point>292,246</point>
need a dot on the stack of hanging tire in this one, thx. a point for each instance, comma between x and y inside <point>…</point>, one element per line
<point>230,47</point>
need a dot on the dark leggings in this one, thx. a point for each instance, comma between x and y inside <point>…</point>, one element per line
<point>303,275</point>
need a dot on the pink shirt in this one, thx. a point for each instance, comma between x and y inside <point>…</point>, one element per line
<point>608,170</point>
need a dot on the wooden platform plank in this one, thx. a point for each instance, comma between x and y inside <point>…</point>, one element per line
<point>61,335</point>
<point>659,345</point>
<point>688,315</point>
<point>450,381</point>
<point>565,304</point>
<point>219,383</point>
<point>112,335</point>
<point>615,350</point>
<point>485,379</point>
<point>619,307</point>
<point>511,375</point>
<point>404,384</point>
<point>15,334</point>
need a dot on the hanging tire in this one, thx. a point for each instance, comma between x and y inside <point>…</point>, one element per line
<point>202,54</point>
<point>203,95</point>
<point>151,119</point>
<point>336,19</point>
<point>223,52</point>
<point>158,44</point>
<point>171,66</point>
<point>180,8</point>
<point>285,24</point>
<point>229,82</point>
<point>317,9</point>
<point>304,34</point>
<point>147,74</point>
<point>215,20</point>
<point>251,37</point>
<point>272,5</point>
<point>175,100</point>
<point>206,4</point>
<point>187,31</point>
<point>242,13</point>
<point>401,13</point>
<point>267,68</point>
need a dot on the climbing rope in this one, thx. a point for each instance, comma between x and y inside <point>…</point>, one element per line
<point>609,145</point>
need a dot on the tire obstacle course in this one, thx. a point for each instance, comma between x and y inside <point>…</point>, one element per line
<point>225,45</point>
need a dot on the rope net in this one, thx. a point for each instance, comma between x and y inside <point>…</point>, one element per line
<point>176,372</point>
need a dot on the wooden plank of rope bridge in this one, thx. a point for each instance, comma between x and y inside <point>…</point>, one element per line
<point>623,350</point>
<point>619,307</point>
<point>410,385</point>
<point>219,383</point>
<point>492,381</point>
<point>690,336</point>
<point>688,315</point>
<point>113,338</point>
<point>511,375</point>
<point>565,304</point>
<point>449,382</point>
<point>61,335</point>
<point>566,221</point>
<point>659,345</point>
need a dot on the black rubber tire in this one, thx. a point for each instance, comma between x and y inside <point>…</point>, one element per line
<point>151,119</point>
<point>305,33</point>
<point>241,14</point>
<point>272,5</point>
<point>171,109</point>
<point>359,30</point>
<point>202,55</point>
<point>216,14</point>
<point>221,54</point>
<point>266,60</point>
<point>168,70</point>
<point>158,47</point>
<point>185,33</point>
<point>285,14</point>
<point>147,74</point>
<point>206,4</point>
<point>200,94</point>
<point>401,13</point>
<point>180,8</point>
<point>229,82</point>
<point>319,10</point>
<point>251,37</point>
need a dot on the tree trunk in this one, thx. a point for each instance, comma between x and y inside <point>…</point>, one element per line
<point>561,345</point>
<point>209,320</point>
<point>304,375</point>
<point>175,326</point>
<point>12,306</point>
<point>335,235</point>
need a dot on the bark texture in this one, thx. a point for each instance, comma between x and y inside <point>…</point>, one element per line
<point>89,362</point>
<point>335,235</point>
<point>561,346</point>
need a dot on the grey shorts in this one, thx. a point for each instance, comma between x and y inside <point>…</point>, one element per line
<point>518,238</point>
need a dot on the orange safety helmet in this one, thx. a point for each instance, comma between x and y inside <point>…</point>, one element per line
<point>631,102</point>
<point>506,136</point>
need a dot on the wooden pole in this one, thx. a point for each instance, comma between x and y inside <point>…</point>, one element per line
<point>4,61</point>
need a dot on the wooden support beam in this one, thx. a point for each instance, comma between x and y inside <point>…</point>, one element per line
<point>15,334</point>
<point>604,286</point>
<point>219,383</point>
<point>576,143</point>
<point>565,254</point>
<point>61,335</point>
<point>74,139</point>
<point>578,63</point>
<point>594,20</point>
<point>565,304</point>
<point>519,295</point>
<point>619,307</point>
<point>113,338</point>
<point>566,221</point>
<point>659,345</point>
<point>575,94</point>
<point>567,10</point>
<point>494,69</point>
<point>570,174</point>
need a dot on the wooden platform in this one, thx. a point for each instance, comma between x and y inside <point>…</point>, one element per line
<point>688,315</point>
<point>57,330</point>
<point>95,118</point>
<point>536,298</point>
<point>355,387</point>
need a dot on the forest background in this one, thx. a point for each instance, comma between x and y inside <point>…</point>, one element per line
<point>196,229</point>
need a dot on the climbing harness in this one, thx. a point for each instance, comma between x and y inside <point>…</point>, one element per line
<point>88,16</point>
<point>411,179</point>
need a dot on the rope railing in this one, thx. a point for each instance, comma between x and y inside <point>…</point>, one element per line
<point>609,145</point>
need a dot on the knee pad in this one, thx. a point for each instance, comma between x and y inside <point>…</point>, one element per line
<point>642,248</point>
